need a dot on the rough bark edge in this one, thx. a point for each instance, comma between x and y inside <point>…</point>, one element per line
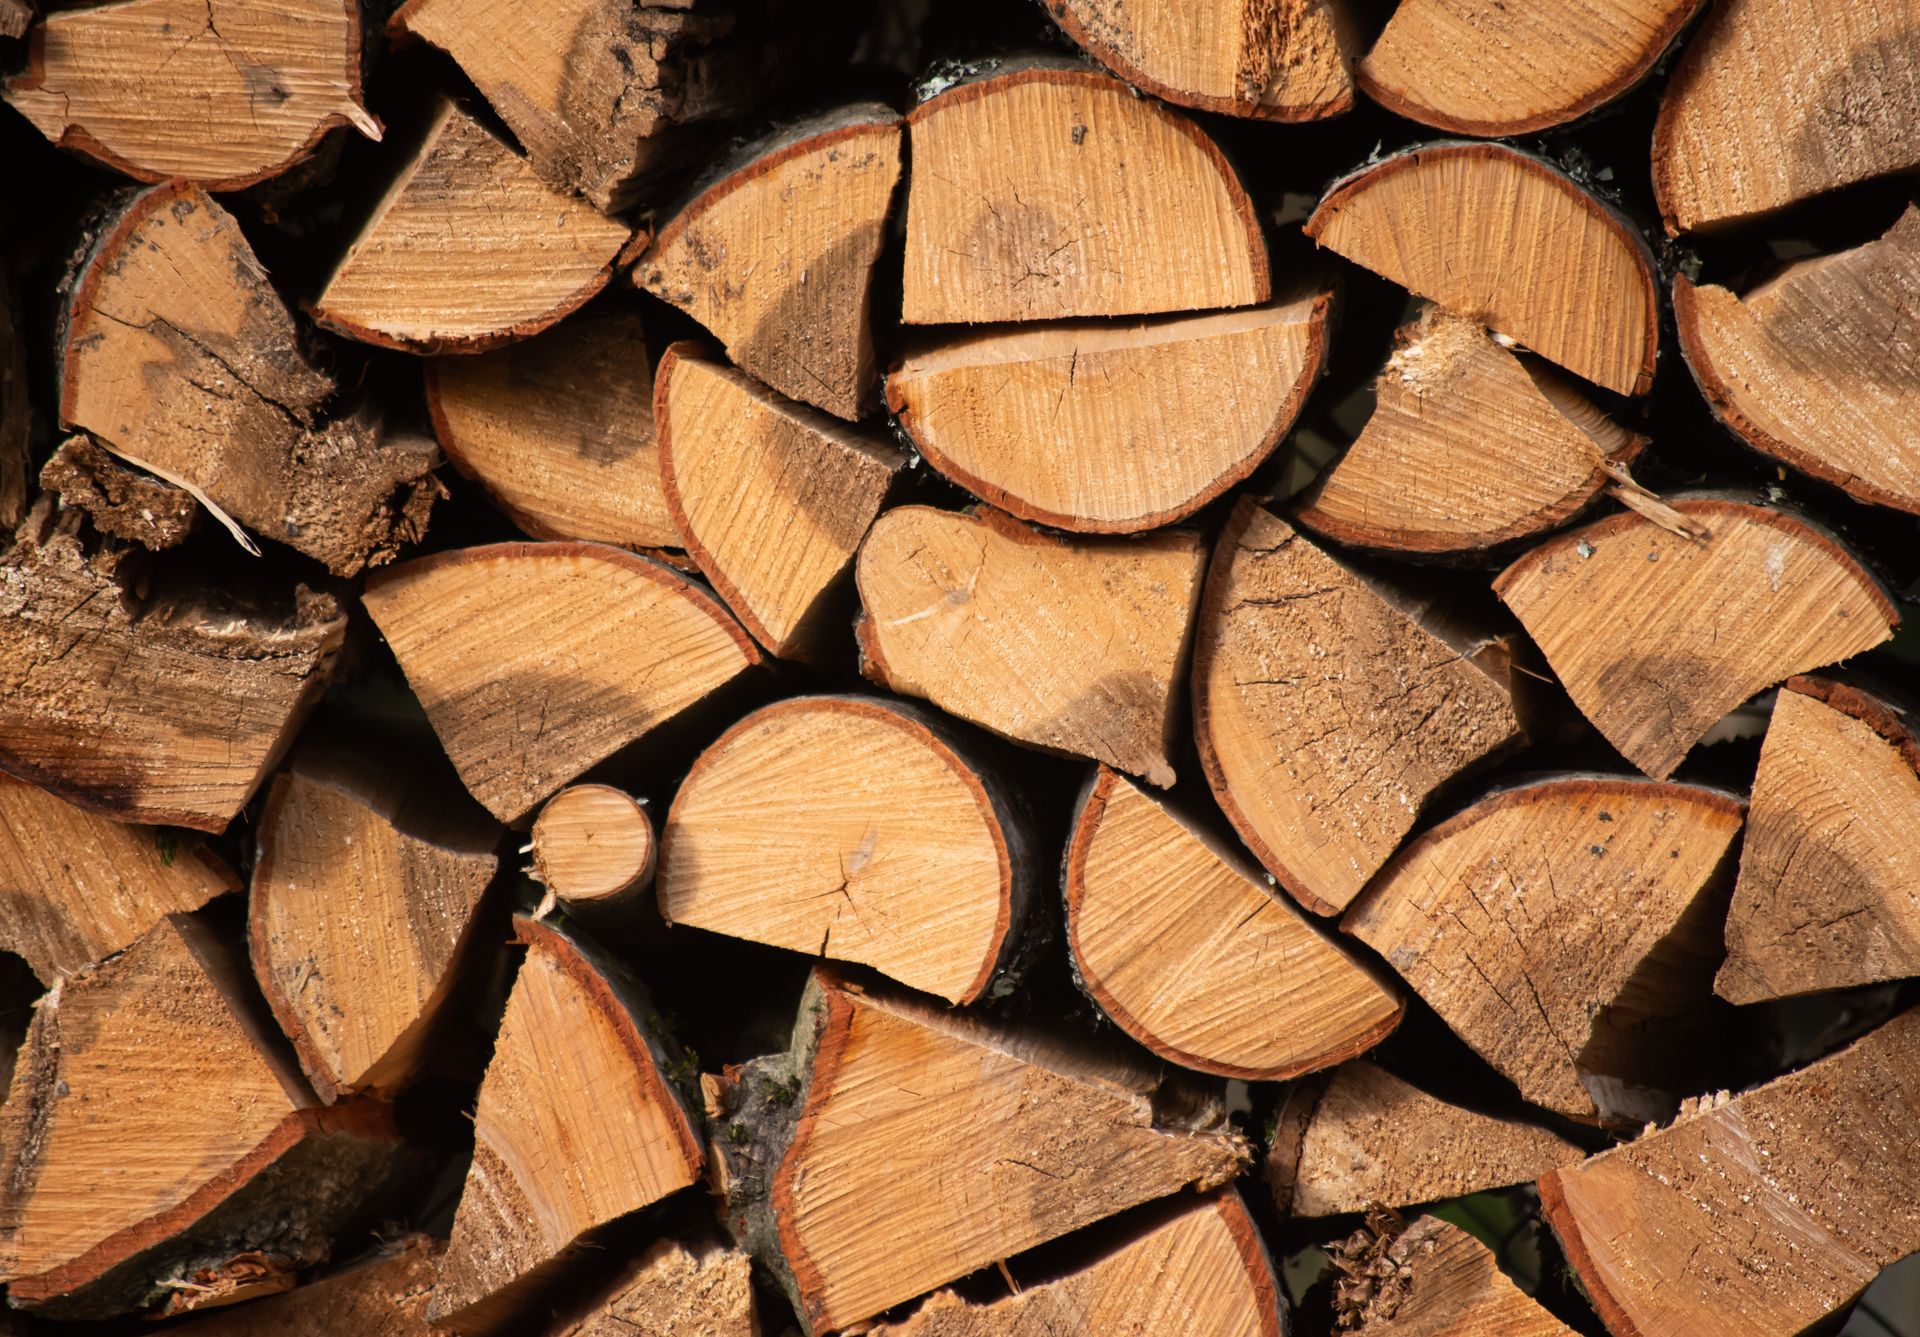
<point>1288,1138</point>
<point>123,216</point>
<point>454,344</point>
<point>1864,706</point>
<point>1573,1243</point>
<point>1259,1264</point>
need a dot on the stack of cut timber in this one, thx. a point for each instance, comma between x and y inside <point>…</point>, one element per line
<point>714,668</point>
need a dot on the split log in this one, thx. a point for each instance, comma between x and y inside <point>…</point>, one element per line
<point>361,913</point>
<point>1500,236</point>
<point>16,410</point>
<point>222,93</point>
<point>535,661</point>
<point>700,1290</point>
<point>1775,101</point>
<point>1815,366</point>
<point>1550,924</point>
<point>1181,942</point>
<point>1765,1213</point>
<point>1484,67</point>
<point>75,887</point>
<point>559,431</point>
<point>1469,446</point>
<point>1445,1283</point>
<point>858,829</point>
<point>1656,635</point>
<point>1826,897</point>
<point>1202,1270</point>
<point>770,498</point>
<point>469,249</point>
<point>15,17</point>
<point>1329,705</point>
<point>593,848</point>
<point>151,1073</point>
<point>901,1145</point>
<point>1275,62</point>
<point>1169,415</point>
<point>165,705</point>
<point>180,357</point>
<point>119,499</point>
<point>384,1294</point>
<point>577,1125</point>
<point>1021,205</point>
<point>804,214</point>
<point>1360,1138</point>
<point>1079,641</point>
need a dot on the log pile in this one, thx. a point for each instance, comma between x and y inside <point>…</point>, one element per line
<point>722,668</point>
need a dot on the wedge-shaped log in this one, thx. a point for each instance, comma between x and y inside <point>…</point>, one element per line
<point>1549,924</point>
<point>1469,446</point>
<point>385,1294</point>
<point>1776,101</point>
<point>151,1073</point>
<point>1180,940</point>
<point>168,705</point>
<point>776,257</point>
<point>700,1288</point>
<point>179,355</point>
<point>535,661</point>
<point>1829,889</point>
<point>593,847</point>
<point>1360,1137</point>
<point>1026,202</point>
<point>1816,366</point>
<point>576,1125</point>
<point>1105,427</point>
<point>1072,645</point>
<point>857,829</point>
<point>900,1145</point>
<point>559,431</point>
<point>122,501</point>
<point>223,93</point>
<point>1489,232</point>
<point>1442,1282</point>
<point>1657,635</point>
<point>468,249</point>
<point>770,497</point>
<point>1328,706</point>
<point>1765,1213</point>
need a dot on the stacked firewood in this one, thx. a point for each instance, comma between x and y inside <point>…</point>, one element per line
<point>958,669</point>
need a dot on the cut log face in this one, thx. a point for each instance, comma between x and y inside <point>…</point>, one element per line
<point>1328,707</point>
<point>702,1290</point>
<point>363,895</point>
<point>1021,206</point>
<point>119,499</point>
<point>559,430</point>
<point>1657,635</point>
<point>1830,870</point>
<point>169,708</point>
<point>150,1137</point>
<point>1546,924</point>
<point>1775,101</point>
<point>181,357</point>
<point>1181,942</point>
<point>1072,645</point>
<point>469,249</point>
<point>593,844</point>
<point>771,498</point>
<point>264,83</point>
<point>1202,1270</point>
<point>1481,67</point>
<point>576,1126</point>
<point>1110,428</point>
<point>480,634</point>
<point>1816,366</point>
<point>386,1295</point>
<point>1663,1230</point>
<point>75,887</point>
<point>1361,1138</point>
<point>929,1144</point>
<point>1446,1283</point>
<point>861,830</point>
<point>1494,234</point>
<point>805,217</point>
<point>1468,447</point>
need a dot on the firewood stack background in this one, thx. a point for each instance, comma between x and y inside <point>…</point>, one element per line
<point>959,668</point>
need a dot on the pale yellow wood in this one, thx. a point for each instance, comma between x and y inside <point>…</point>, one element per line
<point>1072,645</point>
<point>1656,635</point>
<point>1495,234</point>
<point>220,92</point>
<point>1542,922</point>
<point>593,843</point>
<point>534,661</point>
<point>700,1289</point>
<point>1449,1284</point>
<point>771,497</point>
<point>1042,193</point>
<point>1107,427</point>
